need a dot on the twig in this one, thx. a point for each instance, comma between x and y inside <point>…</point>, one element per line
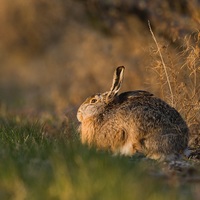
<point>163,63</point>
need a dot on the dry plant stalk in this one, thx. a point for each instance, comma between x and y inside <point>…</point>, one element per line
<point>163,64</point>
<point>182,80</point>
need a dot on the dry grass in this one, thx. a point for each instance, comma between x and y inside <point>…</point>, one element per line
<point>180,85</point>
<point>60,75</point>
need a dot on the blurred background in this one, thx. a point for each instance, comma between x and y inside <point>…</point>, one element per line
<point>53,54</point>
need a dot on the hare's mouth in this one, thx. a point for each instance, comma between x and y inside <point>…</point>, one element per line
<point>79,116</point>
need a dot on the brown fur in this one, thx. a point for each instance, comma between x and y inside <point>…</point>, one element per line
<point>134,121</point>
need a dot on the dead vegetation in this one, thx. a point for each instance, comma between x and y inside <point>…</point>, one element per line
<point>178,78</point>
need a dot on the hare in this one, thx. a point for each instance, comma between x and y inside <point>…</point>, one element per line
<point>134,121</point>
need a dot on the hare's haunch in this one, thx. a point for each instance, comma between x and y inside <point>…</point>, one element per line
<point>134,121</point>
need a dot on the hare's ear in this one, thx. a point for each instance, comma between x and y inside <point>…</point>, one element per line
<point>117,81</point>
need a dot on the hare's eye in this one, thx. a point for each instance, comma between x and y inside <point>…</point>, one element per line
<point>93,101</point>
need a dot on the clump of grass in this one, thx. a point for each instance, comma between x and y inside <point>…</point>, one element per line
<point>178,78</point>
<point>179,82</point>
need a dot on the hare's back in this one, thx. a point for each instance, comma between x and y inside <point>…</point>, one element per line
<point>151,111</point>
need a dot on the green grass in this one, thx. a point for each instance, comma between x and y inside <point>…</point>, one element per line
<point>34,166</point>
